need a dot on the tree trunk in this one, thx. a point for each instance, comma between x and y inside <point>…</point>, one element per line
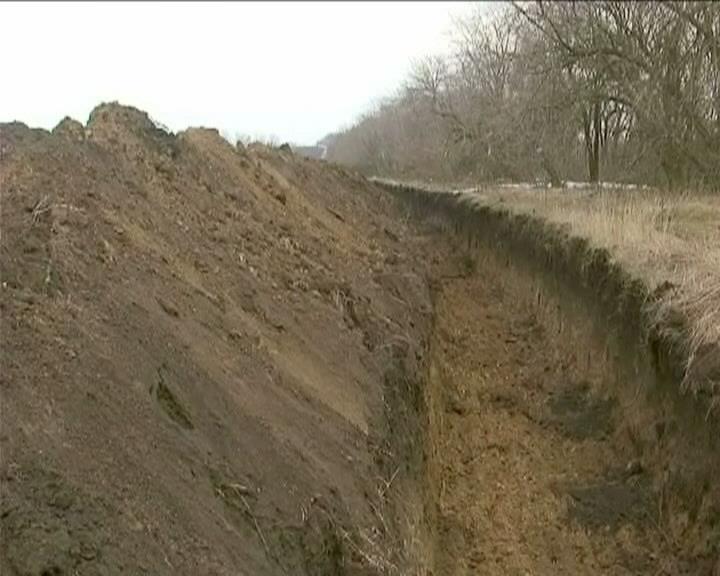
<point>593,127</point>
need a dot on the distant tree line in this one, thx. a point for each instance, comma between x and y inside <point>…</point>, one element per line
<point>621,91</point>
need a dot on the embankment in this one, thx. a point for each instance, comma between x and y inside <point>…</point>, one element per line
<point>206,351</point>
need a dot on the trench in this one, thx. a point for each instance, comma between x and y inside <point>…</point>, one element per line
<point>545,450</point>
<point>525,466</point>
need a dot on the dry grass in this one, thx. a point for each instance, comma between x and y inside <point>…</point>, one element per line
<point>656,236</point>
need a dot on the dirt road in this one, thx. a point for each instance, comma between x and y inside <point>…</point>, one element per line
<point>527,476</point>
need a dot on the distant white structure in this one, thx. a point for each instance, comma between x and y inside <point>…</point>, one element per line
<point>318,152</point>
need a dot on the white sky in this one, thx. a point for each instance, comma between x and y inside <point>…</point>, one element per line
<point>295,71</point>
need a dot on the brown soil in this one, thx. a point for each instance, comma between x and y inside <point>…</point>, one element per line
<point>197,342</point>
<point>594,315</point>
<point>228,361</point>
<point>528,475</point>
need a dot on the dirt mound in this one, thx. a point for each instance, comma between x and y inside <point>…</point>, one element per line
<point>70,129</point>
<point>14,134</point>
<point>205,356</point>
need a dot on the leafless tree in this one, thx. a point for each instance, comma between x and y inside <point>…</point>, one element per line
<point>561,90</point>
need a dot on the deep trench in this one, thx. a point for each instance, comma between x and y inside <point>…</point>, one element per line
<point>554,440</point>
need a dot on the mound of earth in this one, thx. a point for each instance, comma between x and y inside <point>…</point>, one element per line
<point>207,356</point>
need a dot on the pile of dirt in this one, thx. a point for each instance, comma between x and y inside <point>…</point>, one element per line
<point>209,358</point>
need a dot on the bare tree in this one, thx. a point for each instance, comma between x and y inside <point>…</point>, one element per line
<point>554,89</point>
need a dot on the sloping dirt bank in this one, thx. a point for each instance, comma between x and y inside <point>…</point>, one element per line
<point>558,441</point>
<point>209,355</point>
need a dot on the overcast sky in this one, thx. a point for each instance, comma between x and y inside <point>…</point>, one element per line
<point>295,71</point>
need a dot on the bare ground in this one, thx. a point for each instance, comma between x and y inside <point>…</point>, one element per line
<point>525,465</point>
<point>197,342</point>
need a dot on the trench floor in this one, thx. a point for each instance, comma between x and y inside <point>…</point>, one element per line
<point>528,477</point>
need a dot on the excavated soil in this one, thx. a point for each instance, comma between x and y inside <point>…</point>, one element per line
<point>219,360</point>
<point>206,352</point>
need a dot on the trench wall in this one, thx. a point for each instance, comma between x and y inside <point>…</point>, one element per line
<point>602,313</point>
